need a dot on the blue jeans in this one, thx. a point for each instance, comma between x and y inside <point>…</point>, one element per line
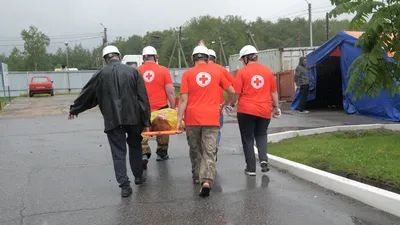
<point>221,124</point>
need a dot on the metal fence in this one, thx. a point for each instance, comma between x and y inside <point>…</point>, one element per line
<point>19,81</point>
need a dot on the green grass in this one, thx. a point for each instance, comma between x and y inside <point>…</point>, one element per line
<point>7,101</point>
<point>373,155</point>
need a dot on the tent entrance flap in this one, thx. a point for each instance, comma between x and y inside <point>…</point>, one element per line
<point>329,87</point>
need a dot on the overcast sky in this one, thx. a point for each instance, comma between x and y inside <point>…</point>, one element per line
<point>79,20</point>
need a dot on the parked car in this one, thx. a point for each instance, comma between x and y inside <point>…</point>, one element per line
<point>41,85</point>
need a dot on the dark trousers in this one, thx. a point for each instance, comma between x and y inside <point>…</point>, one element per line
<point>118,138</point>
<point>303,96</point>
<point>162,143</point>
<point>253,127</point>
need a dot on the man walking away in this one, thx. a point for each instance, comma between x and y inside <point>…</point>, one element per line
<point>302,80</point>
<point>255,86</point>
<point>229,77</point>
<point>200,105</point>
<point>159,89</point>
<point>119,91</point>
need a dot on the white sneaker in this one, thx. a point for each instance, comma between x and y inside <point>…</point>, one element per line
<point>264,166</point>
<point>304,112</point>
<point>249,173</point>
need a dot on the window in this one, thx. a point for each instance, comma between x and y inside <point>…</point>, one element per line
<point>40,80</point>
<point>133,64</point>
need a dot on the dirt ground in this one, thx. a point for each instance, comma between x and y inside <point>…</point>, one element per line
<point>39,106</point>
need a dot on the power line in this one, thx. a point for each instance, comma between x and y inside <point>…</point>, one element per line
<point>285,15</point>
<point>297,13</point>
<point>83,35</point>
<point>322,11</point>
<point>52,43</point>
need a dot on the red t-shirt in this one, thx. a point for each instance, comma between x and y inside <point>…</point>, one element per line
<point>255,83</point>
<point>202,84</point>
<point>227,75</point>
<point>155,78</point>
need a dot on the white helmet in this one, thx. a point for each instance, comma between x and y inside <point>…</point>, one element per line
<point>247,50</point>
<point>110,49</point>
<point>200,50</point>
<point>149,50</point>
<point>212,53</point>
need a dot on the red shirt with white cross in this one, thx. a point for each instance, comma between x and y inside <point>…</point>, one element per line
<point>155,78</point>
<point>255,83</point>
<point>203,84</point>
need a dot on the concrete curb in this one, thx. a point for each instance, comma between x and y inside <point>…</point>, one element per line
<point>381,199</point>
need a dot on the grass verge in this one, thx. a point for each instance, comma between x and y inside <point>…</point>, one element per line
<point>370,157</point>
<point>8,100</point>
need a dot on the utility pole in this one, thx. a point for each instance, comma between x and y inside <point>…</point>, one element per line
<point>251,38</point>
<point>105,40</point>
<point>172,54</point>
<point>222,50</point>
<point>310,21</point>
<point>69,83</point>
<point>327,26</point>
<point>181,49</point>
<point>298,39</point>
<point>179,52</point>
<point>220,55</point>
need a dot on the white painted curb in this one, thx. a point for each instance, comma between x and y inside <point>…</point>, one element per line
<point>381,199</point>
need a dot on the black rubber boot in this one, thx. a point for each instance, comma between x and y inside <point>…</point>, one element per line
<point>125,192</point>
<point>140,180</point>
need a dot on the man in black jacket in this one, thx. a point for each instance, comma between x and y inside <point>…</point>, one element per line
<point>120,92</point>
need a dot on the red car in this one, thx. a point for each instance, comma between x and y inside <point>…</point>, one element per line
<point>41,85</point>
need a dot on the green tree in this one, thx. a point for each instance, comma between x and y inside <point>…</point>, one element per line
<point>131,46</point>
<point>231,30</point>
<point>16,60</point>
<point>3,58</point>
<point>35,46</point>
<point>371,72</point>
<point>58,58</point>
<point>80,57</point>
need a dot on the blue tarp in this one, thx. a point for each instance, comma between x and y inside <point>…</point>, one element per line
<point>383,106</point>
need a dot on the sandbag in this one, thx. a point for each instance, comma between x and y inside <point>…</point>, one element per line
<point>164,120</point>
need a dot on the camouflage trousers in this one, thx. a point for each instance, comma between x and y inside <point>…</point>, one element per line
<point>202,142</point>
<point>162,145</point>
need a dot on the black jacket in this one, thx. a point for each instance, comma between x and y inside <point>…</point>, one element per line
<point>120,92</point>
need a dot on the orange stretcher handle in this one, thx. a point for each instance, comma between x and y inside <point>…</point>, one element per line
<point>157,133</point>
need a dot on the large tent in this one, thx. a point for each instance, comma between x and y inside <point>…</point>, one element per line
<point>332,61</point>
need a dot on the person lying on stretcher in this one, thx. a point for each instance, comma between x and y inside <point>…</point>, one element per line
<point>164,121</point>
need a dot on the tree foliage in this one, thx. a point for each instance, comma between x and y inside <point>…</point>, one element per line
<point>372,70</point>
<point>35,46</point>
<point>3,58</point>
<point>16,61</point>
<point>231,30</point>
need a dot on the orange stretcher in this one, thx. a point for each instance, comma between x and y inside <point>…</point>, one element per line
<point>157,133</point>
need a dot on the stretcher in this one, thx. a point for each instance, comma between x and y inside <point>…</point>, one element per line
<point>163,122</point>
<point>166,132</point>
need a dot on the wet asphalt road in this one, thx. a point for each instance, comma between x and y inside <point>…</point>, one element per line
<point>59,172</point>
